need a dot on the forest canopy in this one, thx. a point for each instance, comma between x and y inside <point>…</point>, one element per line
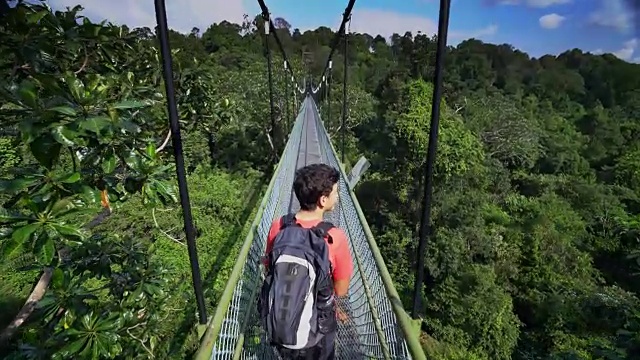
<point>536,207</point>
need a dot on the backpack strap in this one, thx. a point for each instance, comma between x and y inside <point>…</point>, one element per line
<point>287,220</point>
<point>322,229</point>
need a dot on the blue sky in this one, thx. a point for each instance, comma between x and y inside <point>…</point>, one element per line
<point>535,26</point>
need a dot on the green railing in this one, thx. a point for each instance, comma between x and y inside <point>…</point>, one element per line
<point>378,326</point>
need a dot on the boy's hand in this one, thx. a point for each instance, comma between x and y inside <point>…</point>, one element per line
<point>342,316</point>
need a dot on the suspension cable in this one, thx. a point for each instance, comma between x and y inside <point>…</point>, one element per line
<point>286,100</point>
<point>295,90</point>
<point>336,39</point>
<point>274,137</point>
<point>425,226</point>
<point>163,34</point>
<point>344,91</point>
<point>329,95</point>
<point>272,28</point>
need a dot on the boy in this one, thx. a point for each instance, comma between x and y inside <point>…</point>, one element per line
<point>316,188</point>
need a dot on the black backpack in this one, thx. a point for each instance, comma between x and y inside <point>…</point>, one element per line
<point>296,302</point>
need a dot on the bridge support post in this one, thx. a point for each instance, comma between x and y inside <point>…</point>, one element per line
<point>425,226</point>
<point>163,34</point>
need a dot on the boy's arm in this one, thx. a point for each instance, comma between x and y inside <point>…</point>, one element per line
<point>341,287</point>
<point>273,231</point>
<point>343,268</point>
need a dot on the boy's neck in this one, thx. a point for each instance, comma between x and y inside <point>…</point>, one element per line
<point>317,214</point>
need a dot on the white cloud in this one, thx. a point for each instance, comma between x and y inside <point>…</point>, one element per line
<point>477,34</point>
<point>546,3</point>
<point>627,50</point>
<point>535,3</point>
<point>386,23</point>
<point>551,21</point>
<point>613,14</point>
<point>186,14</point>
<point>181,15</point>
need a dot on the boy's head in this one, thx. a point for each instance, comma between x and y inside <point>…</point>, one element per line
<point>316,186</point>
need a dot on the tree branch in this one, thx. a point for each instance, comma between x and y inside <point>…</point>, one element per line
<point>164,143</point>
<point>41,288</point>
<point>43,283</point>
<point>270,140</point>
<point>84,63</point>
<point>105,213</point>
<point>153,214</point>
<point>29,306</point>
<point>19,67</point>
<point>142,343</point>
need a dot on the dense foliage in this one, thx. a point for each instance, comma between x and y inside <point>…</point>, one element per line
<point>536,245</point>
<point>90,224</point>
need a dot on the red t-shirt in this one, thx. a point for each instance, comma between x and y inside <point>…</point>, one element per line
<point>339,254</point>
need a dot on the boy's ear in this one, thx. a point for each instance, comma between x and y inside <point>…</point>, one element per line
<point>322,200</point>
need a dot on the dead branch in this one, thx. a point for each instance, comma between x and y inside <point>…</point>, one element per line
<point>164,143</point>
<point>41,287</point>
<point>43,283</point>
<point>29,306</point>
<point>19,67</point>
<point>155,221</point>
<point>142,343</point>
<point>84,63</point>
<point>270,139</point>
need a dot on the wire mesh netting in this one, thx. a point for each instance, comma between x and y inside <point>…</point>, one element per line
<point>372,330</point>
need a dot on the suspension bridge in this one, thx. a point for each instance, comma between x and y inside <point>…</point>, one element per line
<point>376,325</point>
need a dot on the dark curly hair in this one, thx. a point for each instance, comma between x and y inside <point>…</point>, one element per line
<point>312,182</point>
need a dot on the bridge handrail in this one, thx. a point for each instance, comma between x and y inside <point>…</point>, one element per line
<point>410,329</point>
<point>215,325</point>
